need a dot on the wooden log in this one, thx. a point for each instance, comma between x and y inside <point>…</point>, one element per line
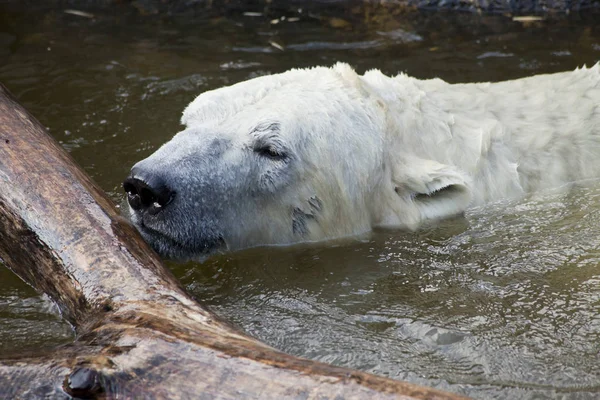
<point>139,334</point>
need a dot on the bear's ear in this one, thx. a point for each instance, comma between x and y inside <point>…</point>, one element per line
<point>437,190</point>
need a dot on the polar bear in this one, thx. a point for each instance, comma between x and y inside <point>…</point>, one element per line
<point>313,154</point>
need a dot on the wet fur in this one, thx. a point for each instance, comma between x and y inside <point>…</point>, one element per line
<point>321,153</point>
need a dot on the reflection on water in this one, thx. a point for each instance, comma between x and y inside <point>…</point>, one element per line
<point>504,303</point>
<point>27,320</point>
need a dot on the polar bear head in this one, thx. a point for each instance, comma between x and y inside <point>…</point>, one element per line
<point>301,156</point>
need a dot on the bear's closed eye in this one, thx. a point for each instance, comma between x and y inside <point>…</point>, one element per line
<point>270,152</point>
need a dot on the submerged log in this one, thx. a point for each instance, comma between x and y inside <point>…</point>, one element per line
<point>139,334</point>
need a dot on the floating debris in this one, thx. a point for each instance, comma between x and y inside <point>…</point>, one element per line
<point>276,45</point>
<point>527,18</point>
<point>281,19</point>
<point>253,14</point>
<point>80,13</point>
<point>339,23</point>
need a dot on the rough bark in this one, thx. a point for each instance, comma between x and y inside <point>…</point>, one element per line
<point>138,333</point>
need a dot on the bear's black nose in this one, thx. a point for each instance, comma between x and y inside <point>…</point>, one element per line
<point>150,194</point>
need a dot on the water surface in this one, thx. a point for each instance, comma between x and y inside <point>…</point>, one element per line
<point>504,303</point>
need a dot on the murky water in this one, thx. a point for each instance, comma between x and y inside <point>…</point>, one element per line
<point>504,303</point>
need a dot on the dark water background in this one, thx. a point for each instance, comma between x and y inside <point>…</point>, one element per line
<point>502,304</point>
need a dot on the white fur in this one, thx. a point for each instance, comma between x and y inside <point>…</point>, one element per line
<point>395,151</point>
<point>504,139</point>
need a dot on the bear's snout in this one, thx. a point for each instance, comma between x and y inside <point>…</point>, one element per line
<point>147,193</point>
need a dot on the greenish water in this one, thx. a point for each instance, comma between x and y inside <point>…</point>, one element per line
<point>504,303</point>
